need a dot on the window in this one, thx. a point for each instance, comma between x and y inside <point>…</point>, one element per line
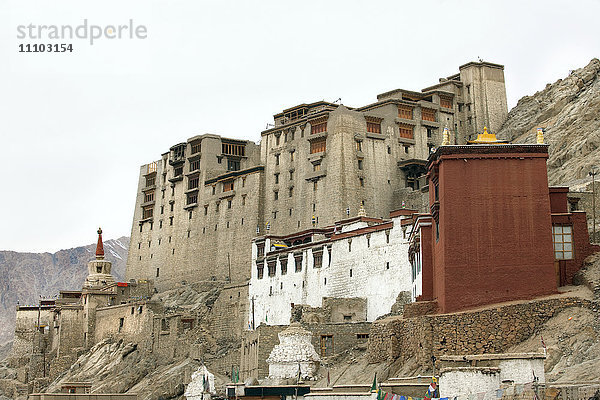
<point>437,231</point>
<point>460,107</point>
<point>326,345</point>
<point>349,245</point>
<point>298,262</point>
<point>260,249</point>
<point>162,209</point>
<point>446,102</point>
<point>147,212</point>
<point>233,149</point>
<point>429,132</point>
<point>468,89</point>
<point>405,112</point>
<point>275,195</point>
<point>150,180</point>
<point>428,114</point>
<point>350,272</point>
<point>217,206</point>
<point>292,153</point>
<point>206,209</point>
<point>318,127</point>
<point>213,189</point>
<point>317,146</point>
<point>360,164</point>
<point>276,159</point>
<point>276,140</point>
<point>361,181</point>
<point>374,127</point>
<point>283,260</point>
<point>406,131</point>
<point>358,145</point>
<point>172,205</point>
<point>228,186</point>
<point>276,176</point>
<point>194,165</point>
<point>196,147</point>
<point>121,323</point>
<point>291,192</point>
<point>562,237</point>
<point>170,220</point>
<point>315,186</point>
<point>233,165</point>
<point>271,266</point>
<point>291,175</point>
<point>317,259</point>
<point>243,199</point>
<point>148,196</point>
<point>260,268</point>
<point>317,167</point>
<point>192,198</point>
<point>362,336</point>
<point>387,265</point>
<point>229,203</point>
<point>178,171</point>
<point>193,182</point>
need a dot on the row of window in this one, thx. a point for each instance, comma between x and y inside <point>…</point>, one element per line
<point>427,114</point>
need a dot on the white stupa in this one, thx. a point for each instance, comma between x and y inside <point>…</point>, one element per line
<point>202,385</point>
<point>294,356</point>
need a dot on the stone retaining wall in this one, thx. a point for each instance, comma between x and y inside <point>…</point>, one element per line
<point>493,330</point>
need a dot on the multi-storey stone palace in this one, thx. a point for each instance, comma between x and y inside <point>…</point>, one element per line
<point>199,206</point>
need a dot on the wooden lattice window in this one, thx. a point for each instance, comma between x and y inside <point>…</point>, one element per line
<point>147,212</point>
<point>196,147</point>
<point>151,180</point>
<point>283,261</point>
<point>317,259</point>
<point>374,127</point>
<point>148,196</point>
<point>271,264</point>
<point>446,102</point>
<point>193,182</point>
<point>406,131</point>
<point>298,262</point>
<point>260,269</point>
<point>233,149</point>
<point>192,198</point>
<point>318,127</point>
<point>317,146</point>
<point>228,186</point>
<point>428,114</point>
<point>194,165</point>
<point>562,237</point>
<point>405,112</point>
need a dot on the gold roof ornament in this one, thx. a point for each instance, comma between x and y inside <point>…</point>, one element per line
<point>486,138</point>
<point>445,137</point>
<point>540,136</point>
<point>361,211</point>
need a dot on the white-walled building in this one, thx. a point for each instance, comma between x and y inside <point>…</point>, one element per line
<point>359,257</point>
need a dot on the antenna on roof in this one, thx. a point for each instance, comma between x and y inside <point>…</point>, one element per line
<point>340,100</point>
<point>269,125</point>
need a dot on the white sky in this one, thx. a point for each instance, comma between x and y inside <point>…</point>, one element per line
<point>75,127</point>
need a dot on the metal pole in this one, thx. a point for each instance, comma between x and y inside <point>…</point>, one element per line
<point>593,173</point>
<point>253,326</point>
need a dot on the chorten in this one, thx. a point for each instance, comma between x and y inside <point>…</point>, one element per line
<point>99,269</point>
<point>294,356</point>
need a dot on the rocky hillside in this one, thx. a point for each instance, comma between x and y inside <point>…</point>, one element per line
<point>569,109</point>
<point>24,277</point>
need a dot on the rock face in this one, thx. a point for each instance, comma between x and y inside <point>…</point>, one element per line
<point>294,351</point>
<point>569,110</point>
<point>26,276</point>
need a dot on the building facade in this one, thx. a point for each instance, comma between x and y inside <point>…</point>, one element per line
<point>495,232</point>
<point>357,258</point>
<point>199,206</point>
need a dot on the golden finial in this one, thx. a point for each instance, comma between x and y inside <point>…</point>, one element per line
<point>446,137</point>
<point>361,211</point>
<point>540,136</point>
<point>99,231</point>
<point>486,138</point>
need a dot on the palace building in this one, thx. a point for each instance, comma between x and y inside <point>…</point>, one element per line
<point>200,205</point>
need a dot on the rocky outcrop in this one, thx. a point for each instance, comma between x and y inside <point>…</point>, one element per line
<point>569,110</point>
<point>24,277</point>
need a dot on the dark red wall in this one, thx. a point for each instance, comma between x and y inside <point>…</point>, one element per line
<point>495,229</point>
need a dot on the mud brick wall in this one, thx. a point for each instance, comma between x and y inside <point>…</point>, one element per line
<point>492,330</point>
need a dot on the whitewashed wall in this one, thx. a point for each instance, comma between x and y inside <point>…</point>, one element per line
<point>469,380</point>
<point>371,278</point>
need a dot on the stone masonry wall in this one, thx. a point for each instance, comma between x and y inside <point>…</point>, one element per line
<point>492,330</point>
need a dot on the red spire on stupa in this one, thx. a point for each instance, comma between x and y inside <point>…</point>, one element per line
<point>99,246</point>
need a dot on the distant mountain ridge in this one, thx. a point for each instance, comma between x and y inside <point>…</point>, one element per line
<point>569,110</point>
<point>24,277</point>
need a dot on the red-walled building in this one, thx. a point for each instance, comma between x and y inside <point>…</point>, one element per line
<point>496,231</point>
